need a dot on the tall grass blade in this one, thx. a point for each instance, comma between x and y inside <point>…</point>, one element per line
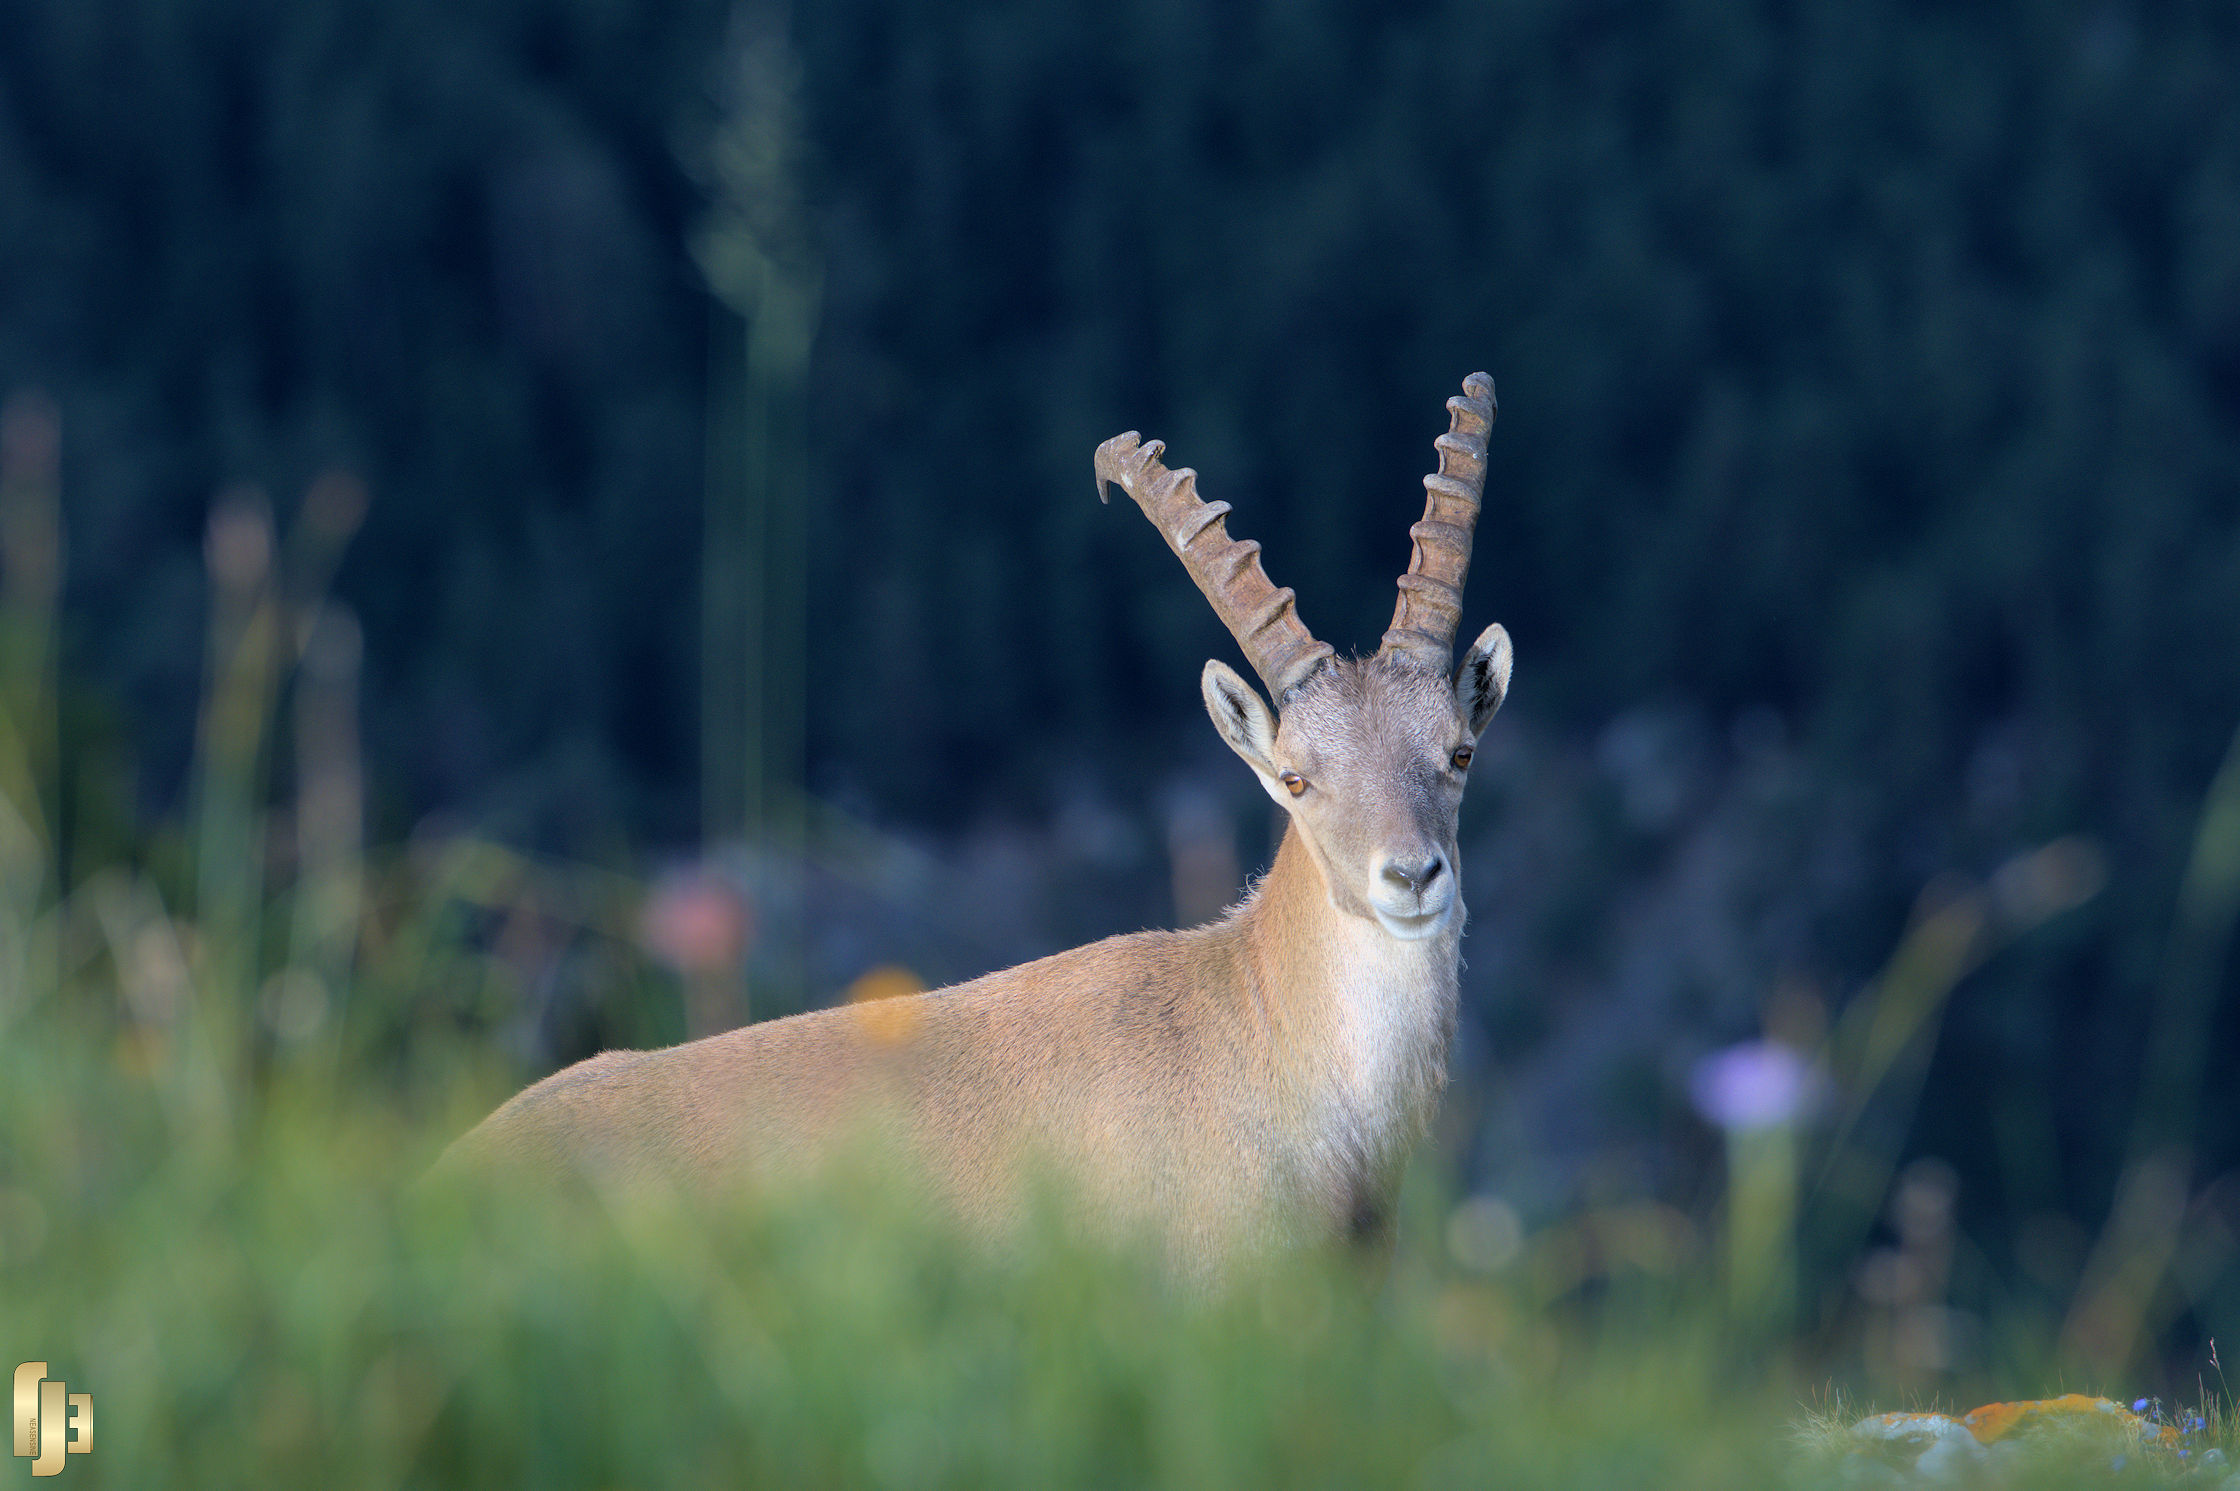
<point>30,585</point>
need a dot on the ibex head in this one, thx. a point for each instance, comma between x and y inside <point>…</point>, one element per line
<point>1369,755</point>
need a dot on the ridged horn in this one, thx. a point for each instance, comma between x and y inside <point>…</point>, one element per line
<point>1430,608</point>
<point>1263,617</point>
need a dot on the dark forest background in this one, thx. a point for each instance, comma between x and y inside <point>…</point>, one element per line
<point>1865,499</point>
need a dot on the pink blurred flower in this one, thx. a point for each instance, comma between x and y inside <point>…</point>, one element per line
<point>697,922</point>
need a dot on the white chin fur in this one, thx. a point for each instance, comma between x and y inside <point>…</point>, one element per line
<point>1413,928</point>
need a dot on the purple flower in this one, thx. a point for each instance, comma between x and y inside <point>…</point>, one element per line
<point>1756,1085</point>
<point>2140,1406</point>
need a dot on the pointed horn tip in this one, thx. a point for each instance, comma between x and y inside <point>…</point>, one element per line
<point>1476,400</point>
<point>1111,462</point>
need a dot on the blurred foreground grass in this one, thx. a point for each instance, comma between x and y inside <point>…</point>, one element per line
<point>282,1308</point>
<point>276,1302</point>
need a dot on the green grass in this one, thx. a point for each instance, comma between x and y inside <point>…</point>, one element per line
<point>277,1300</point>
<point>285,1306</point>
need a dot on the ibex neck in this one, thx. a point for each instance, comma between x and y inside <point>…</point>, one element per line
<point>1358,1019</point>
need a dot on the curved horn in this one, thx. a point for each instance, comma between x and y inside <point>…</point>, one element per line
<point>1263,618</point>
<point>1423,624</point>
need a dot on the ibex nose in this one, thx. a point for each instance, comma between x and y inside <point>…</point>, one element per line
<point>1417,876</point>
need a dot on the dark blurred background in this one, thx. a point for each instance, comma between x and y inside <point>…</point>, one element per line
<point>1865,500</point>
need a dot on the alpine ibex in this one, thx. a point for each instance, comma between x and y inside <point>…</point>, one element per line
<point>1258,1079</point>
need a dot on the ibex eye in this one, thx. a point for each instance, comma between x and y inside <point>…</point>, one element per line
<point>1293,782</point>
<point>1462,759</point>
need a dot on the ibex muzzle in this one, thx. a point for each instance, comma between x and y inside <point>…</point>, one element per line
<point>1258,1080</point>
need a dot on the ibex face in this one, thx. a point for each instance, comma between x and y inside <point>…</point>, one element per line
<point>1369,759</point>
<point>1370,756</point>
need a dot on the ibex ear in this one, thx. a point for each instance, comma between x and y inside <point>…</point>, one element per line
<point>1241,716</point>
<point>1482,682</point>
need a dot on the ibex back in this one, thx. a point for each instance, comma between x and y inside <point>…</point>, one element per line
<point>1258,1080</point>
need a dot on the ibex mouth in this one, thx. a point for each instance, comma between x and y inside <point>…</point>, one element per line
<point>1410,926</point>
